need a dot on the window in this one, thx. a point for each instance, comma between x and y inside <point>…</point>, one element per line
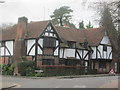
<point>47,62</point>
<point>49,42</point>
<point>104,47</point>
<point>102,64</point>
<point>71,44</point>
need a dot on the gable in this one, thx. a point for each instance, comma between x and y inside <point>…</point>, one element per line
<point>105,40</point>
<point>50,31</point>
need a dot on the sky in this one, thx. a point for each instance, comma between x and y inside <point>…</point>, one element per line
<point>39,10</point>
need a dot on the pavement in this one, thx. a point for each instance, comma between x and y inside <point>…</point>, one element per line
<point>111,84</point>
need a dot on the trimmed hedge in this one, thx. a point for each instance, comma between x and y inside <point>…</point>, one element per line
<point>67,70</point>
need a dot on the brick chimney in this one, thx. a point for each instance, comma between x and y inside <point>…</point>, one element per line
<point>19,44</point>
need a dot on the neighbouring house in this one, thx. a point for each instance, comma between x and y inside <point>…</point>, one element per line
<point>47,44</point>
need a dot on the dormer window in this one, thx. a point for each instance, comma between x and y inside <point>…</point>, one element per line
<point>71,44</point>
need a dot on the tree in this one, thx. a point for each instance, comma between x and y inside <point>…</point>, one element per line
<point>62,16</point>
<point>6,25</point>
<point>89,25</point>
<point>108,25</point>
<point>81,25</point>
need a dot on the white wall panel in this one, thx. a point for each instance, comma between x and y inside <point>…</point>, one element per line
<point>1,51</point>
<point>9,45</point>
<point>109,49</point>
<point>110,56</point>
<point>77,56</point>
<point>61,53</point>
<point>40,41</point>
<point>57,42</point>
<point>6,52</point>
<point>56,52</point>
<point>106,40</point>
<point>84,54</point>
<point>105,54</point>
<point>32,51</point>
<point>80,53</point>
<point>69,53</point>
<point>94,53</point>
<point>39,50</point>
<point>100,48</point>
<point>29,45</point>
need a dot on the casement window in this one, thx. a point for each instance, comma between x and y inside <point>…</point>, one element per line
<point>49,42</point>
<point>71,44</point>
<point>104,47</point>
<point>47,62</point>
<point>102,64</point>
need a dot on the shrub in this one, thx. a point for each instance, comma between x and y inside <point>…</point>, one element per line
<point>30,71</point>
<point>7,69</point>
<point>26,68</point>
<point>39,74</point>
<point>11,69</point>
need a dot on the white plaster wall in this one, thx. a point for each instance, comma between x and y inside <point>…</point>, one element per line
<point>1,51</point>
<point>61,53</point>
<point>104,54</point>
<point>80,53</point>
<point>9,45</point>
<point>84,54</point>
<point>29,45</point>
<point>109,49</point>
<point>77,56</point>
<point>56,52</point>
<point>111,56</point>
<point>94,53</point>
<point>69,53</point>
<point>100,48</point>
<point>40,41</point>
<point>39,50</point>
<point>57,42</point>
<point>106,40</point>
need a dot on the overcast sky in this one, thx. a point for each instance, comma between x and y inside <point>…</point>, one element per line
<point>39,10</point>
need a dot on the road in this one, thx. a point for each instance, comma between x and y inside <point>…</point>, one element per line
<point>84,82</point>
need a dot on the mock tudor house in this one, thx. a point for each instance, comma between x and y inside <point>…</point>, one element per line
<point>47,44</point>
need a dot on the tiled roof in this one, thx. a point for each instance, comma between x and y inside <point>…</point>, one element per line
<point>71,34</point>
<point>94,35</point>
<point>34,30</point>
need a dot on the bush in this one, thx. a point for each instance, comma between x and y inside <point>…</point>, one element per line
<point>7,69</point>
<point>30,71</point>
<point>26,68</point>
<point>39,74</point>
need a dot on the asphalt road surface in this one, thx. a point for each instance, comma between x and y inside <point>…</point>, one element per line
<point>86,82</point>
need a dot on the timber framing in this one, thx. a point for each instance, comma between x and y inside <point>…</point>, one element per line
<point>63,44</point>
